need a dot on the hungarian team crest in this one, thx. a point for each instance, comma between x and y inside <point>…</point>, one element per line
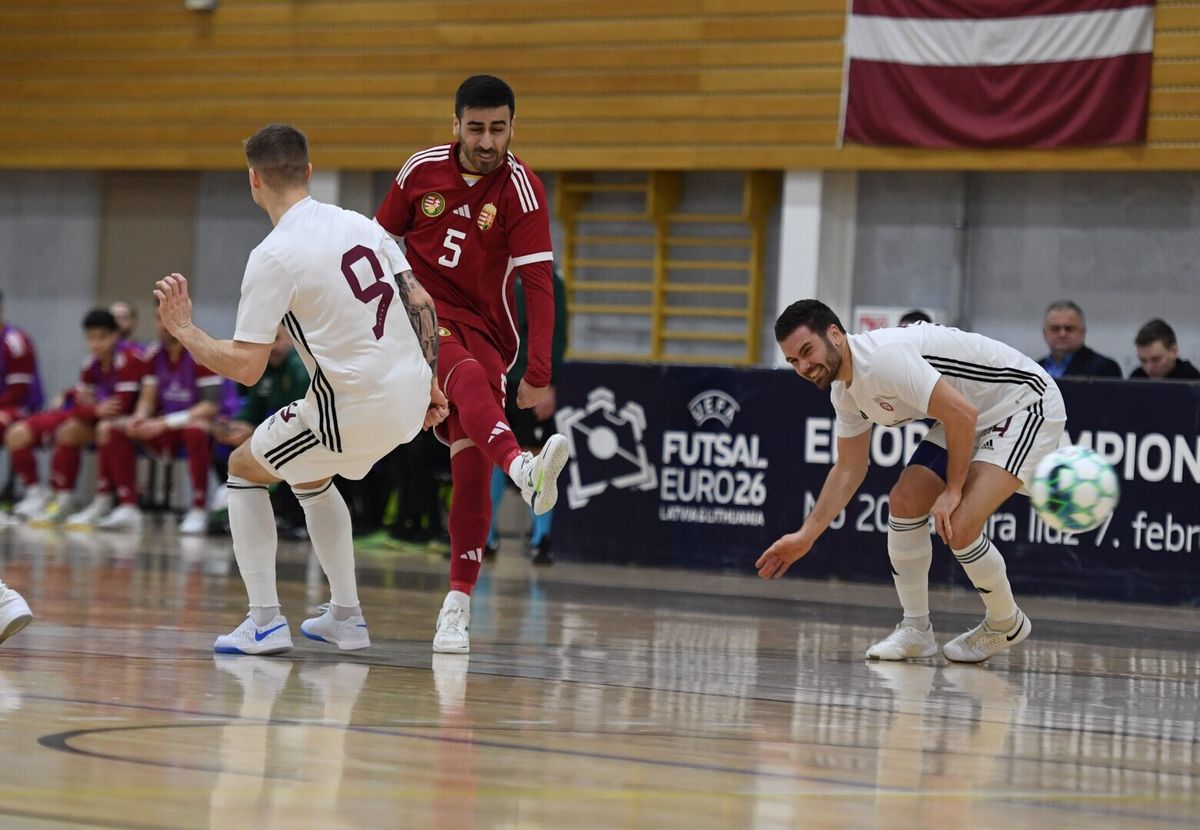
<point>487,215</point>
<point>433,204</point>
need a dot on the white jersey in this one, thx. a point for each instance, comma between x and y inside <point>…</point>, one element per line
<point>895,370</point>
<point>327,275</point>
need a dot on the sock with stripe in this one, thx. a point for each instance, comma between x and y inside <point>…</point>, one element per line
<point>985,568</point>
<point>252,525</point>
<point>24,464</point>
<point>328,521</point>
<point>64,467</point>
<point>480,415</point>
<point>470,516</point>
<point>911,552</point>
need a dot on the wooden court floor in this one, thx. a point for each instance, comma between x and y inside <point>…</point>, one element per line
<point>595,697</point>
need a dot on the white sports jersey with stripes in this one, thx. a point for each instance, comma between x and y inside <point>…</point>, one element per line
<point>327,274</point>
<point>1021,412</point>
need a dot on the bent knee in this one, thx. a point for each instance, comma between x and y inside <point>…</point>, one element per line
<point>19,436</point>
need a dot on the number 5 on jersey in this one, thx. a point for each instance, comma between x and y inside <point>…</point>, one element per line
<point>451,244</point>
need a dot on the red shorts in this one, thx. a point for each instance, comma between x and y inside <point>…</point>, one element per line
<point>458,343</point>
<point>45,424</point>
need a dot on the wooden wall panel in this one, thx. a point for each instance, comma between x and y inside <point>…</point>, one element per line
<point>619,84</point>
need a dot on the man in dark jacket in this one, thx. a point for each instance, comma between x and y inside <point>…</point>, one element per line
<point>1064,330</point>
<point>1158,352</point>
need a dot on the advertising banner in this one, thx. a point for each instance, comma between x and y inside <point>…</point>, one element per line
<point>703,467</point>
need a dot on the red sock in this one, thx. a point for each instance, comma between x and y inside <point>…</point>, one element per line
<point>24,464</point>
<point>119,460</point>
<point>481,417</point>
<point>104,485</point>
<point>199,453</point>
<point>64,467</point>
<point>470,516</point>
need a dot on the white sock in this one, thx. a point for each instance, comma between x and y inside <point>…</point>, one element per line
<point>261,616</point>
<point>985,568</point>
<point>458,598</point>
<point>252,525</point>
<point>911,553</point>
<point>516,467</point>
<point>328,521</point>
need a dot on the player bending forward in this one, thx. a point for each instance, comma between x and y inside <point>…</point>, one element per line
<point>998,414</point>
<point>332,276</point>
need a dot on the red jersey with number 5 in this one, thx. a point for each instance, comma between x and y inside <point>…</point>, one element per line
<point>465,236</point>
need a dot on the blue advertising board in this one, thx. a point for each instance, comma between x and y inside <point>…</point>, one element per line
<point>703,467</point>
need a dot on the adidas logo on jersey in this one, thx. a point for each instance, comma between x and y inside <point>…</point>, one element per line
<point>474,555</point>
<point>987,445</point>
<point>464,212</point>
<point>499,429</point>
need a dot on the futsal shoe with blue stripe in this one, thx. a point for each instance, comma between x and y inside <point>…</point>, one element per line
<point>248,638</point>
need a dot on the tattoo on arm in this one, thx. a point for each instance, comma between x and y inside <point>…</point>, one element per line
<point>421,315</point>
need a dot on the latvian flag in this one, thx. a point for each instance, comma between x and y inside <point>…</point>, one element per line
<point>997,73</point>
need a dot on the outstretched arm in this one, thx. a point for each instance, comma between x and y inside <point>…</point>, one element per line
<point>842,482</point>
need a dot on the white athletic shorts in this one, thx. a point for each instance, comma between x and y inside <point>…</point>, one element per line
<point>1020,441</point>
<point>287,446</point>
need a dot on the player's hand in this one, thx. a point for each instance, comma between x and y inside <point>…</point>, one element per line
<point>529,397</point>
<point>174,305</point>
<point>151,428</point>
<point>439,406</point>
<point>942,510</point>
<point>108,408</point>
<point>780,556</point>
<point>544,409</point>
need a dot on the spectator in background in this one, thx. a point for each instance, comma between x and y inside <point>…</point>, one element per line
<point>126,315</point>
<point>20,385</point>
<point>108,388</point>
<point>914,316</point>
<point>1158,352</point>
<point>532,426</point>
<point>178,399</point>
<point>1064,329</point>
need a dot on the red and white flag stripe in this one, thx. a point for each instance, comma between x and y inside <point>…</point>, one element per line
<point>997,73</point>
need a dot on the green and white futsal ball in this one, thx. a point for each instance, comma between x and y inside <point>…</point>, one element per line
<point>1074,489</point>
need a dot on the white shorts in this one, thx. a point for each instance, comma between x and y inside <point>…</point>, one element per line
<point>287,446</point>
<point>1019,442</point>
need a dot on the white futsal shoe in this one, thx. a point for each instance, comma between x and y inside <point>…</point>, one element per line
<point>983,641</point>
<point>126,518</point>
<point>348,634</point>
<point>86,518</point>
<point>906,642</point>
<point>248,638</point>
<point>537,475</point>
<point>194,522</point>
<point>453,627</point>
<point>33,502</point>
<point>14,612</point>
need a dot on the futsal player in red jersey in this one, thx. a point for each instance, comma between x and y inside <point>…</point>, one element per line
<point>108,387</point>
<point>471,213</point>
